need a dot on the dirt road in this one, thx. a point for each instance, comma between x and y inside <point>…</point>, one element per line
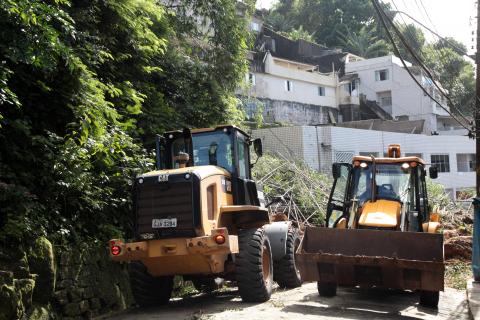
<point>304,303</point>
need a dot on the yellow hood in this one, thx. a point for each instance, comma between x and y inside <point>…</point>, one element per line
<point>381,213</point>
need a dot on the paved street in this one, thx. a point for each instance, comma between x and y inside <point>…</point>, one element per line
<point>304,302</point>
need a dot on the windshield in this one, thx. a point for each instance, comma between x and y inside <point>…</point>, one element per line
<point>391,181</point>
<point>209,148</point>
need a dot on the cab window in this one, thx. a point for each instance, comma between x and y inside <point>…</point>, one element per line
<point>242,147</point>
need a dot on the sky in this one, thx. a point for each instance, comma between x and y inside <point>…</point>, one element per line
<point>448,18</point>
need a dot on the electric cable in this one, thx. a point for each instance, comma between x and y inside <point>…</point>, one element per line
<point>422,65</point>
<point>395,47</point>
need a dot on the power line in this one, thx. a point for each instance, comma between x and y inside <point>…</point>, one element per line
<point>426,14</point>
<point>453,45</point>
<point>395,47</point>
<point>422,65</point>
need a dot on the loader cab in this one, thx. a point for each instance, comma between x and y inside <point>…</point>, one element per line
<point>227,147</point>
<point>380,193</point>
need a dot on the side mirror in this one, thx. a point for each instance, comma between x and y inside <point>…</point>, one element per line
<point>433,172</point>
<point>336,170</point>
<point>257,146</point>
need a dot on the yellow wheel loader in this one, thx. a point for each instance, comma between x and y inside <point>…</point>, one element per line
<point>379,232</point>
<point>199,215</point>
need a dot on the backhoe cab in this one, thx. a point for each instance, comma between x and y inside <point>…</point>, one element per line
<point>380,229</point>
<point>199,215</point>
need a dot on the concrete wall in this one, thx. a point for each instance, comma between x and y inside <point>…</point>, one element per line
<point>407,98</point>
<point>272,86</point>
<point>281,111</point>
<point>287,141</point>
<point>305,83</point>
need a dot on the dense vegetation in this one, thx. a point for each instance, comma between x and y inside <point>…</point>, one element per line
<point>353,26</point>
<point>85,85</point>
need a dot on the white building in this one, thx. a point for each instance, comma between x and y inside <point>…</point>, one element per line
<point>320,146</point>
<point>293,92</point>
<point>385,80</point>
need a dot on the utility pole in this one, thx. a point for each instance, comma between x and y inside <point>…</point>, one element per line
<point>476,202</point>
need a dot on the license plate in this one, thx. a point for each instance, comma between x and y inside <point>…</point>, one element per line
<point>164,223</point>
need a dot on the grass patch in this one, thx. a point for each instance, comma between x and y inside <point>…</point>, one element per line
<point>457,273</point>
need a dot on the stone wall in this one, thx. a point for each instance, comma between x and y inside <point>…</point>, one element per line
<point>89,284</point>
<point>42,282</point>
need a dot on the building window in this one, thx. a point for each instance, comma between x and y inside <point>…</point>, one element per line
<point>441,161</point>
<point>251,79</point>
<point>381,75</point>
<point>255,26</point>
<point>384,98</point>
<point>321,91</point>
<point>288,85</point>
<point>385,101</point>
<point>351,88</point>
<point>465,162</point>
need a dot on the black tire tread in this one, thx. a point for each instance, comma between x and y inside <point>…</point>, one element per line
<point>429,299</point>
<point>248,266</point>
<point>148,290</point>
<point>284,272</point>
<point>327,289</point>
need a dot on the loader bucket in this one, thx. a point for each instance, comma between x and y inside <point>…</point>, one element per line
<point>372,258</point>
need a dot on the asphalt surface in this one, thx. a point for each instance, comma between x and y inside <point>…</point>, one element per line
<point>304,302</point>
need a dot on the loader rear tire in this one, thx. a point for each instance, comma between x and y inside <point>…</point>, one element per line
<point>253,266</point>
<point>147,289</point>
<point>327,289</point>
<point>206,285</point>
<point>285,272</point>
<point>429,299</point>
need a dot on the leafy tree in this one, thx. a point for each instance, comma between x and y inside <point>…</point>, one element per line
<point>454,73</point>
<point>415,39</point>
<point>364,43</point>
<point>300,33</point>
<point>84,86</point>
<point>325,18</point>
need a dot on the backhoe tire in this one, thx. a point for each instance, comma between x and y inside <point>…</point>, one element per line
<point>205,285</point>
<point>327,289</point>
<point>285,273</point>
<point>147,289</point>
<point>253,266</point>
<point>429,299</point>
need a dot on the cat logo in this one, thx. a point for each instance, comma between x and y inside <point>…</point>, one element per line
<point>163,177</point>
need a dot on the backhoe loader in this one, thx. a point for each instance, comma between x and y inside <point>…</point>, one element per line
<point>200,216</point>
<point>379,230</point>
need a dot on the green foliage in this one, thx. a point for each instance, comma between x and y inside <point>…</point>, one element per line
<point>297,34</point>
<point>325,19</point>
<point>85,86</point>
<point>364,43</point>
<point>437,197</point>
<point>453,72</point>
<point>415,39</point>
<point>457,274</point>
<point>307,187</point>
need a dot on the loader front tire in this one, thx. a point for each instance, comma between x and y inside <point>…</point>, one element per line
<point>285,272</point>
<point>327,289</point>
<point>253,266</point>
<point>147,289</point>
<point>429,299</point>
